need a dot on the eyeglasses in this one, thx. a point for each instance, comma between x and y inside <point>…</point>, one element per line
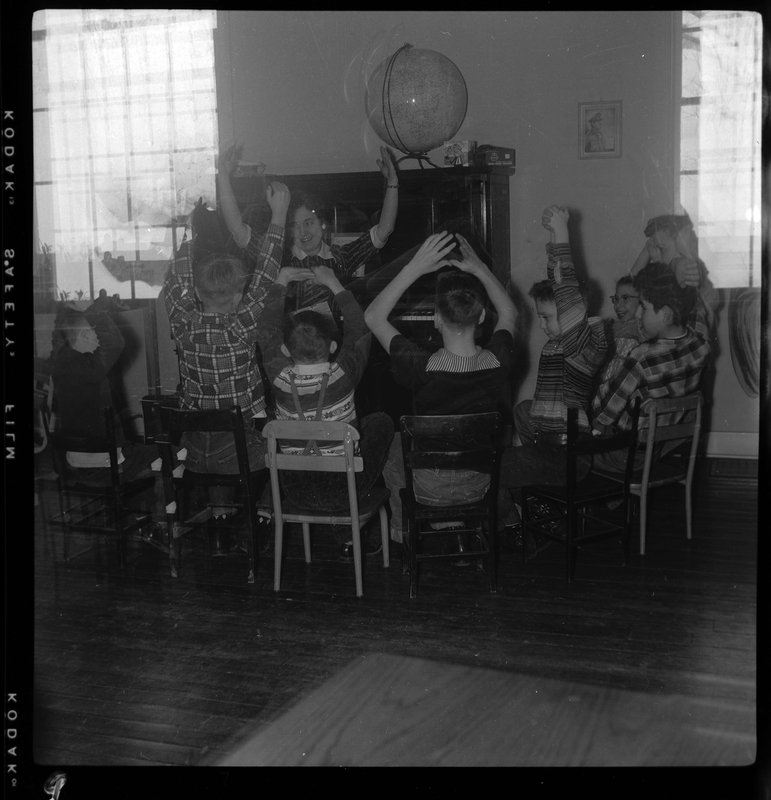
<point>624,298</point>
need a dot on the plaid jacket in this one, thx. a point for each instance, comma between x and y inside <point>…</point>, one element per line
<point>655,370</point>
<point>217,353</point>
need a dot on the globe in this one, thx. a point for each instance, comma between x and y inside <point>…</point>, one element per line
<point>416,100</point>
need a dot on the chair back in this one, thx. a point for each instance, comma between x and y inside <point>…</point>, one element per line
<point>62,443</point>
<point>170,422</point>
<point>669,420</point>
<point>589,445</point>
<point>461,441</point>
<point>308,431</point>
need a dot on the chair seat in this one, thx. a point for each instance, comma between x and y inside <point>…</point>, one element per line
<point>426,513</point>
<point>369,504</point>
<point>190,478</point>
<point>660,475</point>
<point>593,487</point>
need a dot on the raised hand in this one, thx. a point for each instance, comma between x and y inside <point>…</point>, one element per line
<point>686,271</point>
<point>471,261</point>
<point>386,165</point>
<point>278,198</point>
<point>553,216</point>
<point>228,160</point>
<point>555,220</point>
<point>432,254</point>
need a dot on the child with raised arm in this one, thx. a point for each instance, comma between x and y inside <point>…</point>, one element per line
<point>215,323</point>
<point>311,378</point>
<point>461,377</point>
<point>575,351</point>
<point>309,224</point>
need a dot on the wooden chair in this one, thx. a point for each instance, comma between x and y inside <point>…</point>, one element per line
<point>170,423</point>
<point>101,510</point>
<point>460,442</point>
<point>349,463</point>
<point>573,502</point>
<point>669,420</point>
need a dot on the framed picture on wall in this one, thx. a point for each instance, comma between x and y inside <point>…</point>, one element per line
<point>599,130</point>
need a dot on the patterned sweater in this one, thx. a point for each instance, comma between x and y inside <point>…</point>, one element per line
<point>570,362</point>
<point>344,373</point>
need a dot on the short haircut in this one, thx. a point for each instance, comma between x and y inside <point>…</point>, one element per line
<point>310,201</point>
<point>460,298</point>
<point>71,323</point>
<point>626,280</point>
<point>657,284</point>
<point>670,223</point>
<point>543,291</point>
<point>218,277</point>
<point>307,336</point>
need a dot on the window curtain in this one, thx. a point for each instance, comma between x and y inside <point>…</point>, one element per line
<point>720,142</point>
<point>125,143</point>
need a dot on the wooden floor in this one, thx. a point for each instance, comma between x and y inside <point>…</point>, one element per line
<point>133,667</point>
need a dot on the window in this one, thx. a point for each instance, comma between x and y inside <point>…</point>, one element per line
<point>125,130</point>
<point>720,145</point>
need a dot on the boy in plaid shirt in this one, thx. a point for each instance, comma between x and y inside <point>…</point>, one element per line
<point>214,323</point>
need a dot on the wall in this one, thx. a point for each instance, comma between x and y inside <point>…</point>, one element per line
<point>291,87</point>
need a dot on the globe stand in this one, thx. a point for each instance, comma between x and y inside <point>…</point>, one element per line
<point>419,157</point>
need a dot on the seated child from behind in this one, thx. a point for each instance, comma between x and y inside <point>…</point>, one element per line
<point>81,394</point>
<point>311,378</point>
<point>461,377</point>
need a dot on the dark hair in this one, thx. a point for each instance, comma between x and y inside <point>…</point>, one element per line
<point>657,284</point>
<point>628,279</point>
<point>460,298</point>
<point>71,323</point>
<point>542,290</point>
<point>310,201</point>
<point>218,277</point>
<point>307,336</point>
<point>670,223</point>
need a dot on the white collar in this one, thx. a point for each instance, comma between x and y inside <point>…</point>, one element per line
<point>310,369</point>
<point>324,253</point>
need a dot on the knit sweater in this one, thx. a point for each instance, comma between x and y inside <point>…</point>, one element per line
<point>569,363</point>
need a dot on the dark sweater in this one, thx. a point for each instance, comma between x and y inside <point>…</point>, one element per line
<point>81,388</point>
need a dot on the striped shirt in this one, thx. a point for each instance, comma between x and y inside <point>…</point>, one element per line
<point>344,373</point>
<point>217,356</point>
<point>445,383</point>
<point>569,363</point>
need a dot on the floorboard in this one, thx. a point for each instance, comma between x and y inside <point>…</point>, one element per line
<point>133,667</point>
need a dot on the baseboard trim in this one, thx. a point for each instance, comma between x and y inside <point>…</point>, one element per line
<point>726,444</point>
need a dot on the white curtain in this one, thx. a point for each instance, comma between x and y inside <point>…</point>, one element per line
<point>125,130</point>
<point>720,141</point>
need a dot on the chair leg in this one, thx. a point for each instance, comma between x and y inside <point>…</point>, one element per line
<point>688,510</point>
<point>356,531</point>
<point>278,544</point>
<point>643,519</point>
<point>491,543</point>
<point>412,533</point>
<point>251,537</point>
<point>307,541</point>
<point>570,556</point>
<point>385,536</point>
